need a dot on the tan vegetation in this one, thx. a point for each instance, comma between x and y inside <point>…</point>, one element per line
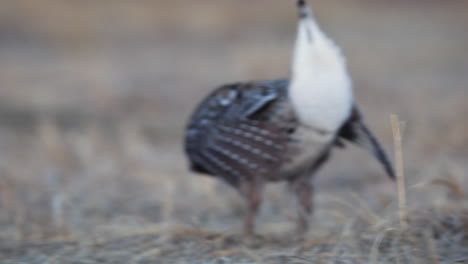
<point>93,100</point>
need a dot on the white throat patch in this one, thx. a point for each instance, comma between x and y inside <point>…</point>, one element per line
<point>320,88</point>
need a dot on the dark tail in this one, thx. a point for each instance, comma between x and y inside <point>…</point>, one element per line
<point>372,144</point>
<point>357,132</point>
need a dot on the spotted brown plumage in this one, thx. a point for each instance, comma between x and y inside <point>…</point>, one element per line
<point>244,132</point>
<point>235,133</point>
<point>251,133</point>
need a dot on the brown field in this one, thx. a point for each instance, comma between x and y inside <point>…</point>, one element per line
<point>94,96</point>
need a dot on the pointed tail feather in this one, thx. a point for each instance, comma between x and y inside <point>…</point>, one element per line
<point>372,144</point>
<point>357,132</point>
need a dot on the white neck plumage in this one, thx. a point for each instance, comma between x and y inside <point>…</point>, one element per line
<point>320,88</point>
<point>313,48</point>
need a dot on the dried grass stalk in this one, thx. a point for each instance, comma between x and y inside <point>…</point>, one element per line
<point>399,168</point>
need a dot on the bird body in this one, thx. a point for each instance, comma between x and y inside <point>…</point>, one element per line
<point>250,133</point>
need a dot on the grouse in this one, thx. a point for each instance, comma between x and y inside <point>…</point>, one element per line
<point>251,133</point>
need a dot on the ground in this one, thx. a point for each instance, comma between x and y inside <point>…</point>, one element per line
<point>94,97</point>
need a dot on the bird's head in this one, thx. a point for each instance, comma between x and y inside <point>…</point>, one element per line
<point>306,20</point>
<point>313,48</point>
<point>304,9</point>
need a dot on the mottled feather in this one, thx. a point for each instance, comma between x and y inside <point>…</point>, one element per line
<point>232,134</point>
<point>244,129</point>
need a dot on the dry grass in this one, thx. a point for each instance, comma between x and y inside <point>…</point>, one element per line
<point>94,97</point>
<point>438,236</point>
<point>399,170</point>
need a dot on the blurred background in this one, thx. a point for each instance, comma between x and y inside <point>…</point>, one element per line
<point>94,97</point>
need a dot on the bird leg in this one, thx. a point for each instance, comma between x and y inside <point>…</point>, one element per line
<point>252,191</point>
<point>303,189</point>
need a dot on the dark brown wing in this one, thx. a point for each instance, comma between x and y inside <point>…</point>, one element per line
<point>356,131</point>
<point>228,135</point>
